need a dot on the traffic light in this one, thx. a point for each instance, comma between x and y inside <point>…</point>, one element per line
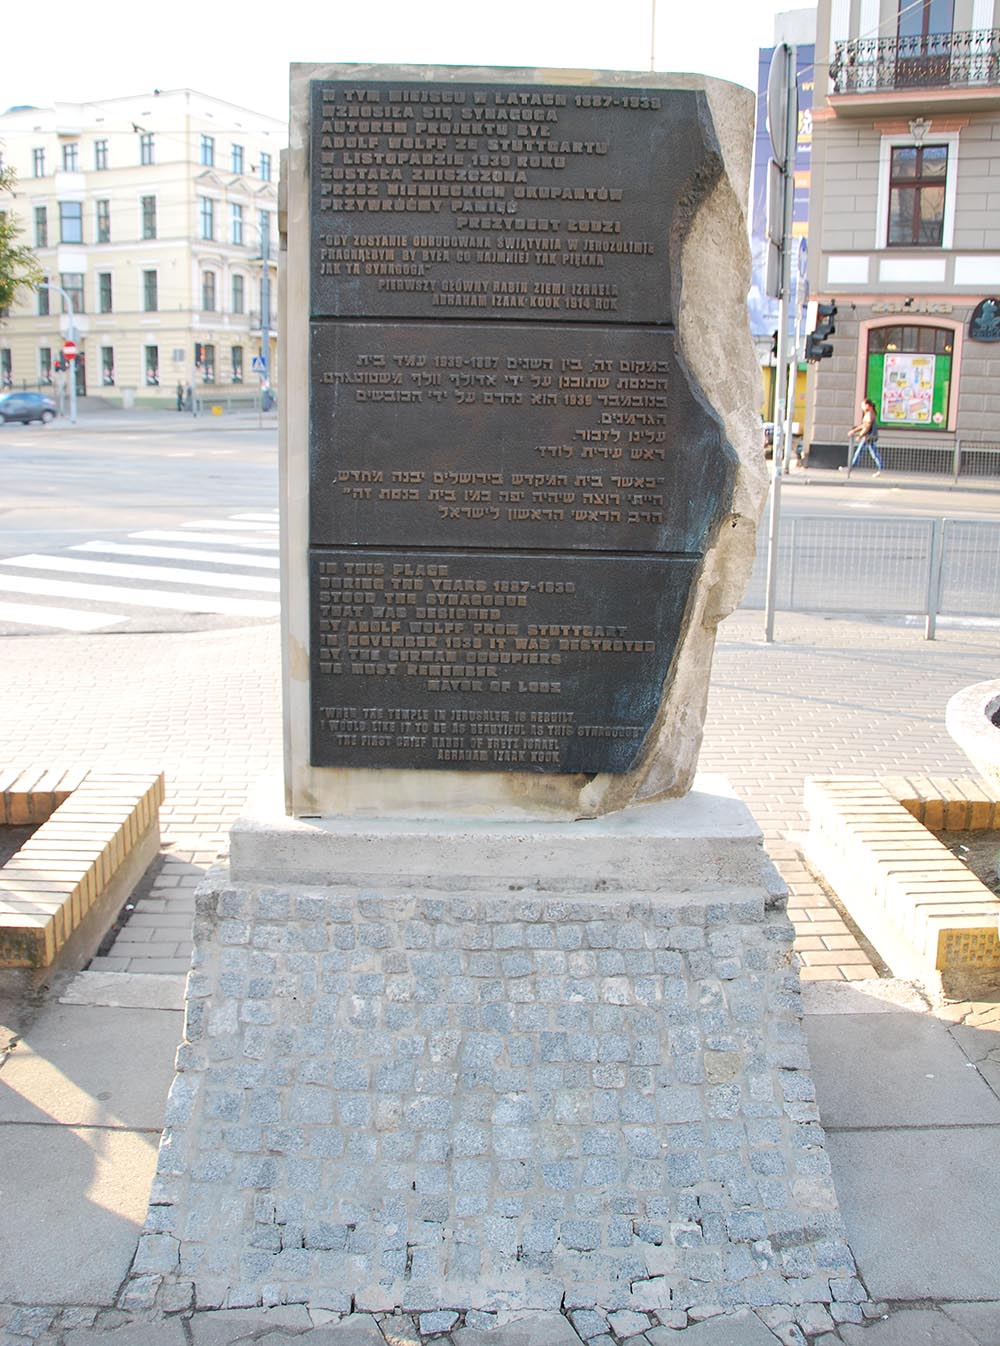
<point>198,354</point>
<point>820,324</point>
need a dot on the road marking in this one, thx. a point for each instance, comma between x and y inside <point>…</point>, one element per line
<point>222,539</point>
<point>69,619</point>
<point>121,570</point>
<point>270,517</point>
<point>148,598</point>
<point>234,558</point>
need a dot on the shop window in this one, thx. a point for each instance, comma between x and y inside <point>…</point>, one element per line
<point>909,368</point>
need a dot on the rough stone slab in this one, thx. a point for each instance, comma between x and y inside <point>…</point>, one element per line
<point>730,1329</point>
<point>872,995</point>
<point>222,1327</point>
<point>706,840</point>
<point>70,1067</point>
<point>124,990</point>
<point>169,1333</point>
<point>922,1209</point>
<point>540,1329</point>
<point>360,1329</point>
<point>982,1321</point>
<point>908,1327</point>
<point>923,1076</point>
<point>98,1182</point>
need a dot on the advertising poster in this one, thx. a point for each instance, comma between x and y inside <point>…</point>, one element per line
<point>908,390</point>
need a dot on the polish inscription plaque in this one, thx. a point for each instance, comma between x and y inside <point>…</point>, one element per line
<point>513,478</point>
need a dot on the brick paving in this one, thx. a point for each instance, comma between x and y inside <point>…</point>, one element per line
<point>827,696</point>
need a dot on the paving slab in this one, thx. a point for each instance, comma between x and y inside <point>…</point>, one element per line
<point>538,1329</point>
<point>72,1202</point>
<point>729,1329</point>
<point>169,1333</point>
<point>887,995</point>
<point>894,1069</point>
<point>124,990</point>
<point>87,1065</point>
<point>908,1327</point>
<point>223,1327</point>
<point>981,1321</point>
<point>922,1210</point>
<point>360,1329</point>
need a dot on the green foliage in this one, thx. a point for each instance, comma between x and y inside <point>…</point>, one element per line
<point>18,265</point>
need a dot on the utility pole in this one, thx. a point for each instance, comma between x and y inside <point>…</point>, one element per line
<point>71,337</point>
<point>783,127</point>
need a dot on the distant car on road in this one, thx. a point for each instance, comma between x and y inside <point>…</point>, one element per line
<point>26,407</point>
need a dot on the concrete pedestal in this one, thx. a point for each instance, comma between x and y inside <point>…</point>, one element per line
<point>500,1068</point>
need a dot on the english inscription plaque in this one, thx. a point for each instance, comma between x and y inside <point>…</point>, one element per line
<point>513,477</point>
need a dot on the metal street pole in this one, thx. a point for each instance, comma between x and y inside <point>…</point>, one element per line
<point>781,373</point>
<point>265,303</point>
<point>70,336</point>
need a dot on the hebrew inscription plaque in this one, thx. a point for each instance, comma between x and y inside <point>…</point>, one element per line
<point>513,478</point>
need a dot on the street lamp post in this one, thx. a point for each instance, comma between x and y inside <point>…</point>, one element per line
<point>70,336</point>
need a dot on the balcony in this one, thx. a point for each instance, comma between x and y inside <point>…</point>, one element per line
<point>961,70</point>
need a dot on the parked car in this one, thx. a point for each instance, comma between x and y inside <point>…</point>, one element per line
<point>26,407</point>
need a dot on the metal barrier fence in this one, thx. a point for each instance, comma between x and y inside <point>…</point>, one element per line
<point>954,460</point>
<point>885,566</point>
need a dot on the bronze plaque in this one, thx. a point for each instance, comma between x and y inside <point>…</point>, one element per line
<point>489,660</point>
<point>513,479</point>
<point>537,203</point>
<point>486,435</point>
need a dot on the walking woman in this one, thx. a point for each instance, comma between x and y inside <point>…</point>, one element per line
<point>868,430</point>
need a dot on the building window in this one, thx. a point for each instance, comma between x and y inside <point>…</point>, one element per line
<point>238,295</point>
<point>917,177</point>
<point>207,208</point>
<point>103,221</point>
<point>107,366</point>
<point>152,363</point>
<point>6,368</point>
<point>71,157</point>
<point>45,365</point>
<point>908,375</point>
<point>146,150</point>
<point>100,155</point>
<point>264,225</point>
<point>104,291</point>
<point>70,222</point>
<point>43,298</point>
<point>149,217</point>
<point>41,227</point>
<point>236,222</point>
<point>72,283</point>
<point>237,158</point>
<point>204,359</point>
<point>150,292</point>
<point>236,354</point>
<point>208,291</point>
<point>265,168</point>
<point>208,151</point>
<point>38,163</point>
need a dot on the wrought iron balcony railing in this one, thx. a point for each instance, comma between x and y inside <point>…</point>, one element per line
<point>935,61</point>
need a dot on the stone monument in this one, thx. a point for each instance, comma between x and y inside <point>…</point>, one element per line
<point>499,1013</point>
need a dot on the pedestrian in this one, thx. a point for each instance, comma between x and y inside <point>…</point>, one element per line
<point>867,429</point>
<point>180,397</point>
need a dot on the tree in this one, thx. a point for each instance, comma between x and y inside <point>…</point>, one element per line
<point>18,265</point>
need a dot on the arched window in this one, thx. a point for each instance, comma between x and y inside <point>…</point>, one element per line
<point>908,375</point>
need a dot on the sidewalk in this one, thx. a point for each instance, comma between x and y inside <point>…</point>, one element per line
<point>909,1097</point>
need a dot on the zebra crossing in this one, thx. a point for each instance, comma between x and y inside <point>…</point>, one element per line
<point>202,571</point>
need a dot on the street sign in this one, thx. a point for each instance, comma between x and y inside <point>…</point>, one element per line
<point>69,350</point>
<point>259,364</point>
<point>780,82</point>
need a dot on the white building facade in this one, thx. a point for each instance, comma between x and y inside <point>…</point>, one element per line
<point>156,217</point>
<point>904,231</point>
